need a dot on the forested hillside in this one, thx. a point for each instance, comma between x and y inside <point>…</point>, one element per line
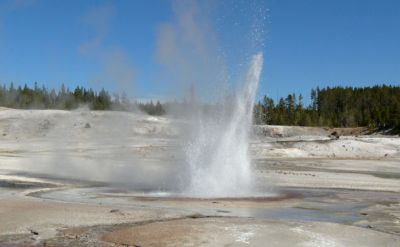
<point>65,99</point>
<point>377,107</point>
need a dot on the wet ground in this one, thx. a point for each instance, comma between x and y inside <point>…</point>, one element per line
<point>351,207</point>
<point>294,208</point>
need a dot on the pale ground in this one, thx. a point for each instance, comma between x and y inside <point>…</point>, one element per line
<point>56,168</point>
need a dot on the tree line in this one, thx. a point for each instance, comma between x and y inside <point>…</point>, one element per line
<point>65,99</point>
<point>375,107</point>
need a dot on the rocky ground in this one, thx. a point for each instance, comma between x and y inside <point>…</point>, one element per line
<point>71,179</point>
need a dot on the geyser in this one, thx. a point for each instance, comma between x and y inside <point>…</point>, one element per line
<point>218,153</point>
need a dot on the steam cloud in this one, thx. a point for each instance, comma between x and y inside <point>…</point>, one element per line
<point>116,66</point>
<point>188,49</point>
<point>216,161</point>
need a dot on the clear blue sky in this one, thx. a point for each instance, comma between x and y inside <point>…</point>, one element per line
<point>129,45</point>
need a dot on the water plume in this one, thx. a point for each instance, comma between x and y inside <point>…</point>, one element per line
<point>218,155</point>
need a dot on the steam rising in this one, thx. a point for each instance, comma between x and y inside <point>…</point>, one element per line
<point>116,66</point>
<point>188,51</point>
<point>216,160</point>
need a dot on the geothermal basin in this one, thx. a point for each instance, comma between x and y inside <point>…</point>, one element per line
<point>116,184</point>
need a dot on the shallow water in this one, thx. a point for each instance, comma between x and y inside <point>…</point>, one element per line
<point>313,204</point>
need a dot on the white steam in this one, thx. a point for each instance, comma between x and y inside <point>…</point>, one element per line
<point>188,51</point>
<point>116,67</point>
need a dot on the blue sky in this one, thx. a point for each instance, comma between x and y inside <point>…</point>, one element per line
<point>149,48</point>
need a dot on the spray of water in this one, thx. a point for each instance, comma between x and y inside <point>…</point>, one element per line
<point>218,154</point>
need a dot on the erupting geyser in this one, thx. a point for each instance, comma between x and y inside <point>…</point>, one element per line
<point>218,155</point>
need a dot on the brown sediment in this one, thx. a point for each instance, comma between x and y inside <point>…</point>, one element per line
<point>155,234</point>
<point>273,198</point>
